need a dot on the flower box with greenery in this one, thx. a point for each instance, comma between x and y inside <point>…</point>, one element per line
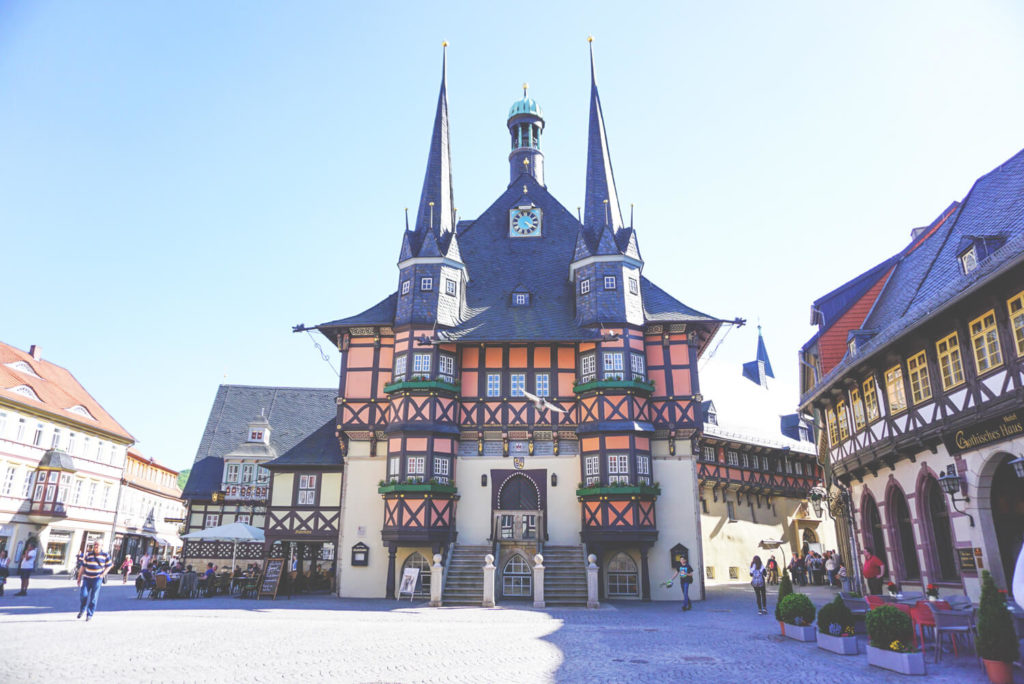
<point>619,488</point>
<point>835,628</point>
<point>997,642</point>
<point>932,592</point>
<point>798,613</point>
<point>785,589</point>
<point>416,485</point>
<point>417,382</point>
<point>635,385</point>
<point>891,638</point>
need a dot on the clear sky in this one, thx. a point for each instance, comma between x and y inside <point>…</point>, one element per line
<point>181,182</point>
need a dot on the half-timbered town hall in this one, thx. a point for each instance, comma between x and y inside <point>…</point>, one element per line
<point>523,389</point>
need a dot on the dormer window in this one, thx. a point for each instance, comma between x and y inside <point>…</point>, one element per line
<point>23,367</point>
<point>256,436</point>
<point>520,299</point>
<point>609,282</point>
<point>585,286</point>
<point>405,287</point>
<point>426,284</point>
<point>634,286</point>
<point>852,347</point>
<point>232,475</point>
<point>969,260</point>
<point>449,287</point>
<point>26,391</point>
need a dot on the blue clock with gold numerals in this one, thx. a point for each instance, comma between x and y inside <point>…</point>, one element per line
<point>524,222</point>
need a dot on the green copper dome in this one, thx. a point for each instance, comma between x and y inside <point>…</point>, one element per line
<point>527,105</point>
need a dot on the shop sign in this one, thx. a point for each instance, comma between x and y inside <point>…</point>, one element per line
<point>246,492</point>
<point>967,560</point>
<point>986,432</point>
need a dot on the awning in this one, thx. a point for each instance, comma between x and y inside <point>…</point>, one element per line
<point>171,540</point>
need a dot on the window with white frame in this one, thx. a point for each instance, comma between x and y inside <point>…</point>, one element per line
<point>745,460</point>
<point>71,443</point>
<point>442,468</point>
<point>9,480</point>
<point>798,468</point>
<point>93,488</point>
<point>394,466</point>
<point>732,458</point>
<point>232,475</point>
<point>449,287</point>
<point>446,367</point>
<point>247,472</point>
<point>613,365</point>
<point>415,466</point>
<point>426,284</point>
<point>517,384</point>
<point>609,282</point>
<point>541,385</point>
<point>585,286</point>
<point>55,442</point>
<point>634,286</point>
<point>212,520</point>
<point>37,438</point>
<point>86,446</point>
<point>405,287</point>
<point>106,495</point>
<point>788,464</point>
<point>493,384</point>
<point>592,470</point>
<point>636,364</point>
<point>307,490</point>
<point>20,434</point>
<point>618,468</point>
<point>244,518</point>
<point>26,484</point>
<point>588,368</point>
<point>520,299</point>
<point>643,469</point>
<point>400,361</point>
<point>421,363</point>
<point>708,452</point>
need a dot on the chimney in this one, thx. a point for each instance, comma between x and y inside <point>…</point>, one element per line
<point>35,352</point>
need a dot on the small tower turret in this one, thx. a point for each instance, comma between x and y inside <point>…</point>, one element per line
<point>525,124</point>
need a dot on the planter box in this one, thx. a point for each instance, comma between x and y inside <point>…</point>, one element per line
<point>417,487</point>
<point>841,645</point>
<point>904,663</point>
<point>801,632</point>
<point>625,490</point>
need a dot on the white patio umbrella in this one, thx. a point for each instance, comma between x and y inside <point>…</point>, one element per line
<point>232,532</point>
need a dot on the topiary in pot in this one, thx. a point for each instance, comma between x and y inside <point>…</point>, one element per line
<point>796,609</point>
<point>888,625</point>
<point>997,640</point>
<point>835,618</point>
<point>785,589</point>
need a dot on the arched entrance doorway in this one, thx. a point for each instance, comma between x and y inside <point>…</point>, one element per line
<point>936,520</point>
<point>874,532</point>
<point>905,560</point>
<point>1007,501</point>
<point>519,509</point>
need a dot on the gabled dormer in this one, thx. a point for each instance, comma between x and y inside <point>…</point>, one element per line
<point>974,249</point>
<point>244,477</point>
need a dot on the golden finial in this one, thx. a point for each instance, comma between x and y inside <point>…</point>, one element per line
<point>444,43</point>
<point>590,39</point>
<point>526,87</point>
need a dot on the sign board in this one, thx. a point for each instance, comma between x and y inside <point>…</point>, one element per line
<point>967,563</point>
<point>271,579</point>
<point>410,581</point>
<point>986,432</point>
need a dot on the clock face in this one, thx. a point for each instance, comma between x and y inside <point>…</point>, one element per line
<point>524,222</point>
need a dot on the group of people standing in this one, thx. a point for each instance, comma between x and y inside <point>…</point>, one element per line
<point>818,569</point>
<point>25,567</point>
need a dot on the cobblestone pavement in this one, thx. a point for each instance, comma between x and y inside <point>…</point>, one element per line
<point>348,640</point>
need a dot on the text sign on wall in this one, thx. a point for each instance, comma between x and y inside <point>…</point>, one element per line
<point>967,560</point>
<point>987,432</point>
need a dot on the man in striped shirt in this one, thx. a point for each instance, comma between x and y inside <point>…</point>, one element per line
<point>95,564</point>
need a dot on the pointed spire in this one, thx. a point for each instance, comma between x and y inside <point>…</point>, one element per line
<point>760,369</point>
<point>762,354</point>
<point>437,182</point>
<point>600,179</point>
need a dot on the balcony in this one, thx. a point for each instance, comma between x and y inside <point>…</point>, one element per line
<point>641,386</point>
<point>420,383</point>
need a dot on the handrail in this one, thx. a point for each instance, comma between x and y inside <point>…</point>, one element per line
<point>447,564</point>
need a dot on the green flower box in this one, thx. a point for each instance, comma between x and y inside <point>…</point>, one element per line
<point>421,384</point>
<point>416,488</point>
<point>629,490</point>
<point>635,385</point>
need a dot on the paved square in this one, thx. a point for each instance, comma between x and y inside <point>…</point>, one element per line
<point>326,638</point>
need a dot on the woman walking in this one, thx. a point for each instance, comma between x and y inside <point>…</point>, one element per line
<point>757,579</point>
<point>26,566</point>
<point>126,569</point>
<point>685,574</point>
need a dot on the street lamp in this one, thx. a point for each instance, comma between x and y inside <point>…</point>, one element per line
<point>1018,466</point>
<point>951,483</point>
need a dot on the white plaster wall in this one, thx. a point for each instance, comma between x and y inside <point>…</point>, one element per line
<point>361,521</point>
<point>677,518</point>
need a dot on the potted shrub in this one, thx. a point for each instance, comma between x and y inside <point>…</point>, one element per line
<point>997,643</point>
<point>785,589</point>
<point>890,639</point>
<point>798,614</point>
<point>836,629</point>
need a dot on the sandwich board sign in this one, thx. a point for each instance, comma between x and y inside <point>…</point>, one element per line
<point>271,579</point>
<point>410,581</point>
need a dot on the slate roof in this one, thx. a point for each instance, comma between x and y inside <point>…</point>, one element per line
<point>928,277</point>
<point>57,390</point>
<point>319,449</point>
<point>294,414</point>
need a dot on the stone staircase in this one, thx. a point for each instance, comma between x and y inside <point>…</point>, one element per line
<point>565,576</point>
<point>464,585</point>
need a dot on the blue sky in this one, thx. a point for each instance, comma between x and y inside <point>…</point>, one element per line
<point>180,183</point>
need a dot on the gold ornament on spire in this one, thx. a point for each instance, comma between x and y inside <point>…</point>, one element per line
<point>444,43</point>
<point>590,39</point>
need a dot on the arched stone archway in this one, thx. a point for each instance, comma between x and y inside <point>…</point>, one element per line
<point>1000,503</point>
<point>905,564</point>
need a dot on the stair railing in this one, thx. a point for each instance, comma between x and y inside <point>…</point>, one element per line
<point>447,564</point>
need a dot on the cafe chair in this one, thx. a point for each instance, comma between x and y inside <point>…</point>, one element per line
<point>952,623</point>
<point>159,587</point>
<point>874,601</point>
<point>923,620</point>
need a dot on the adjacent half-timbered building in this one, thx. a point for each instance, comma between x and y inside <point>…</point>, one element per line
<point>524,389</point>
<point>757,465</point>
<point>247,430</point>
<point>916,377</point>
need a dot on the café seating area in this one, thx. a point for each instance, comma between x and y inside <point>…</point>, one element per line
<point>166,583</point>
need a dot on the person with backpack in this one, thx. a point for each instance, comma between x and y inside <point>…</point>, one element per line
<point>773,570</point>
<point>757,581</point>
<point>684,571</point>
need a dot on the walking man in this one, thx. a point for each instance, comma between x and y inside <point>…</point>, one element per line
<point>95,565</point>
